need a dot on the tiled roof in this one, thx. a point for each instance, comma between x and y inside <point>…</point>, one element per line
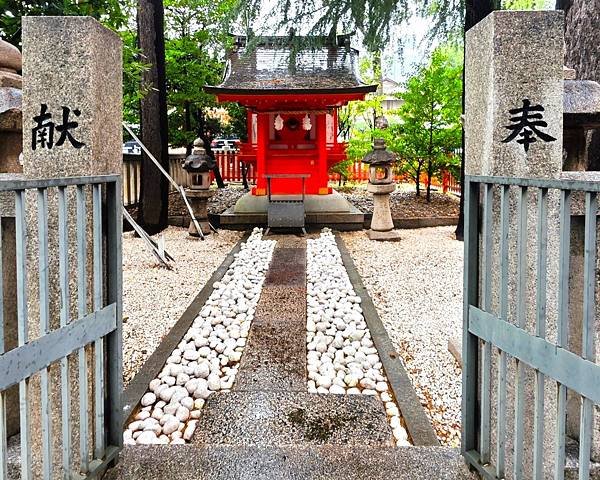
<point>271,64</point>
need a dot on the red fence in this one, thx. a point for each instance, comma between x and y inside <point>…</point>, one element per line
<point>231,168</point>
<point>231,171</point>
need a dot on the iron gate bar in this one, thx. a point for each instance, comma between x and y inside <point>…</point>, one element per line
<point>98,304</point>
<point>567,368</point>
<point>22,329</point>
<point>563,325</point>
<point>470,346</point>
<point>20,363</point>
<point>44,299</point>
<point>587,344</point>
<point>114,293</point>
<point>82,312</point>
<point>502,362</point>
<point>63,273</point>
<point>17,185</point>
<point>546,183</point>
<point>521,317</point>
<point>486,357</point>
<point>540,330</point>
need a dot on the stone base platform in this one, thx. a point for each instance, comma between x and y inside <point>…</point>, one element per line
<point>331,210</point>
<point>158,462</point>
<point>292,418</point>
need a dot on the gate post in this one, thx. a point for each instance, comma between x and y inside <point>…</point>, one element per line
<point>72,114</point>
<point>514,76</point>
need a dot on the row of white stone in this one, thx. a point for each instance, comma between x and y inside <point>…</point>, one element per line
<point>341,355</point>
<point>207,358</point>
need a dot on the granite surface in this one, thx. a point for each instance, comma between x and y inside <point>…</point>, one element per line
<point>296,418</point>
<point>74,63</point>
<point>290,463</point>
<point>512,57</point>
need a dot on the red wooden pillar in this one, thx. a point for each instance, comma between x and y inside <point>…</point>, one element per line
<point>322,149</point>
<point>335,127</point>
<point>261,153</point>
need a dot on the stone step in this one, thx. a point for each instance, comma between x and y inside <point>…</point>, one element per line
<point>216,462</point>
<point>292,418</point>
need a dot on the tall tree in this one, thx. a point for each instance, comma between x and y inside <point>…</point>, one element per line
<point>154,191</point>
<point>197,34</point>
<point>430,131</point>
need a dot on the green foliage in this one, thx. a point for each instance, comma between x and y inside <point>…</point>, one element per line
<point>110,12</point>
<point>526,4</point>
<point>197,35</point>
<point>430,131</point>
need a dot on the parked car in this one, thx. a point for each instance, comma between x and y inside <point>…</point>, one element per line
<point>225,144</point>
<point>131,147</point>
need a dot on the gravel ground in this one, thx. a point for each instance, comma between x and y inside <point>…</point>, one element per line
<point>416,285</point>
<point>340,351</point>
<point>153,297</point>
<point>405,204</point>
<point>218,203</point>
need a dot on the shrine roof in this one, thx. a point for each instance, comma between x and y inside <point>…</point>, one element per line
<point>291,64</point>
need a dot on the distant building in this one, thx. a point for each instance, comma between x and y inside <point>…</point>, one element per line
<point>390,88</point>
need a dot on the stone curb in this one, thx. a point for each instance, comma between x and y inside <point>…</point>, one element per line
<point>417,423</point>
<point>402,223</point>
<point>417,222</point>
<point>152,366</point>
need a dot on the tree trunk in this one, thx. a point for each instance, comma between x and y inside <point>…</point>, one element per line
<point>582,52</point>
<point>475,11</point>
<point>187,126</point>
<point>154,190</point>
<point>418,180</point>
<point>429,171</point>
<point>245,176</point>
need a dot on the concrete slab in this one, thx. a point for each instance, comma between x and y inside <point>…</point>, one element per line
<point>287,268</point>
<point>275,357</point>
<point>353,219</point>
<point>277,303</point>
<point>219,462</point>
<point>292,418</point>
<point>332,203</point>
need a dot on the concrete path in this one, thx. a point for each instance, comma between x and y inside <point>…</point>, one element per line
<point>269,404</point>
<point>270,427</point>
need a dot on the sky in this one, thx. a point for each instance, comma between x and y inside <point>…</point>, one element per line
<point>398,64</point>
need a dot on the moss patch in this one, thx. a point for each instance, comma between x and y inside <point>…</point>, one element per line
<point>318,429</point>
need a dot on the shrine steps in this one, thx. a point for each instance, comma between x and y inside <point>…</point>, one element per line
<point>212,462</point>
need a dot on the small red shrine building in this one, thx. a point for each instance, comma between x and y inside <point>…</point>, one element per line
<point>292,90</point>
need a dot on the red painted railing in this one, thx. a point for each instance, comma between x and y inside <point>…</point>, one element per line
<point>231,171</point>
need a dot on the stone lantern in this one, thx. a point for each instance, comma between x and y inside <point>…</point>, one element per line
<point>381,184</point>
<point>198,166</point>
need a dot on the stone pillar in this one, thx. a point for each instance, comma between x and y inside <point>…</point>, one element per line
<point>72,70</point>
<point>514,60</point>
<point>10,150</point>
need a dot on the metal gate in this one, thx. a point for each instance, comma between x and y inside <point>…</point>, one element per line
<point>68,356</point>
<point>529,313</point>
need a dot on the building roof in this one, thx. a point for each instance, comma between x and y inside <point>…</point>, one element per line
<point>291,64</point>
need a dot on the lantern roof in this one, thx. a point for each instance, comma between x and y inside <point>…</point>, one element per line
<point>291,64</point>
